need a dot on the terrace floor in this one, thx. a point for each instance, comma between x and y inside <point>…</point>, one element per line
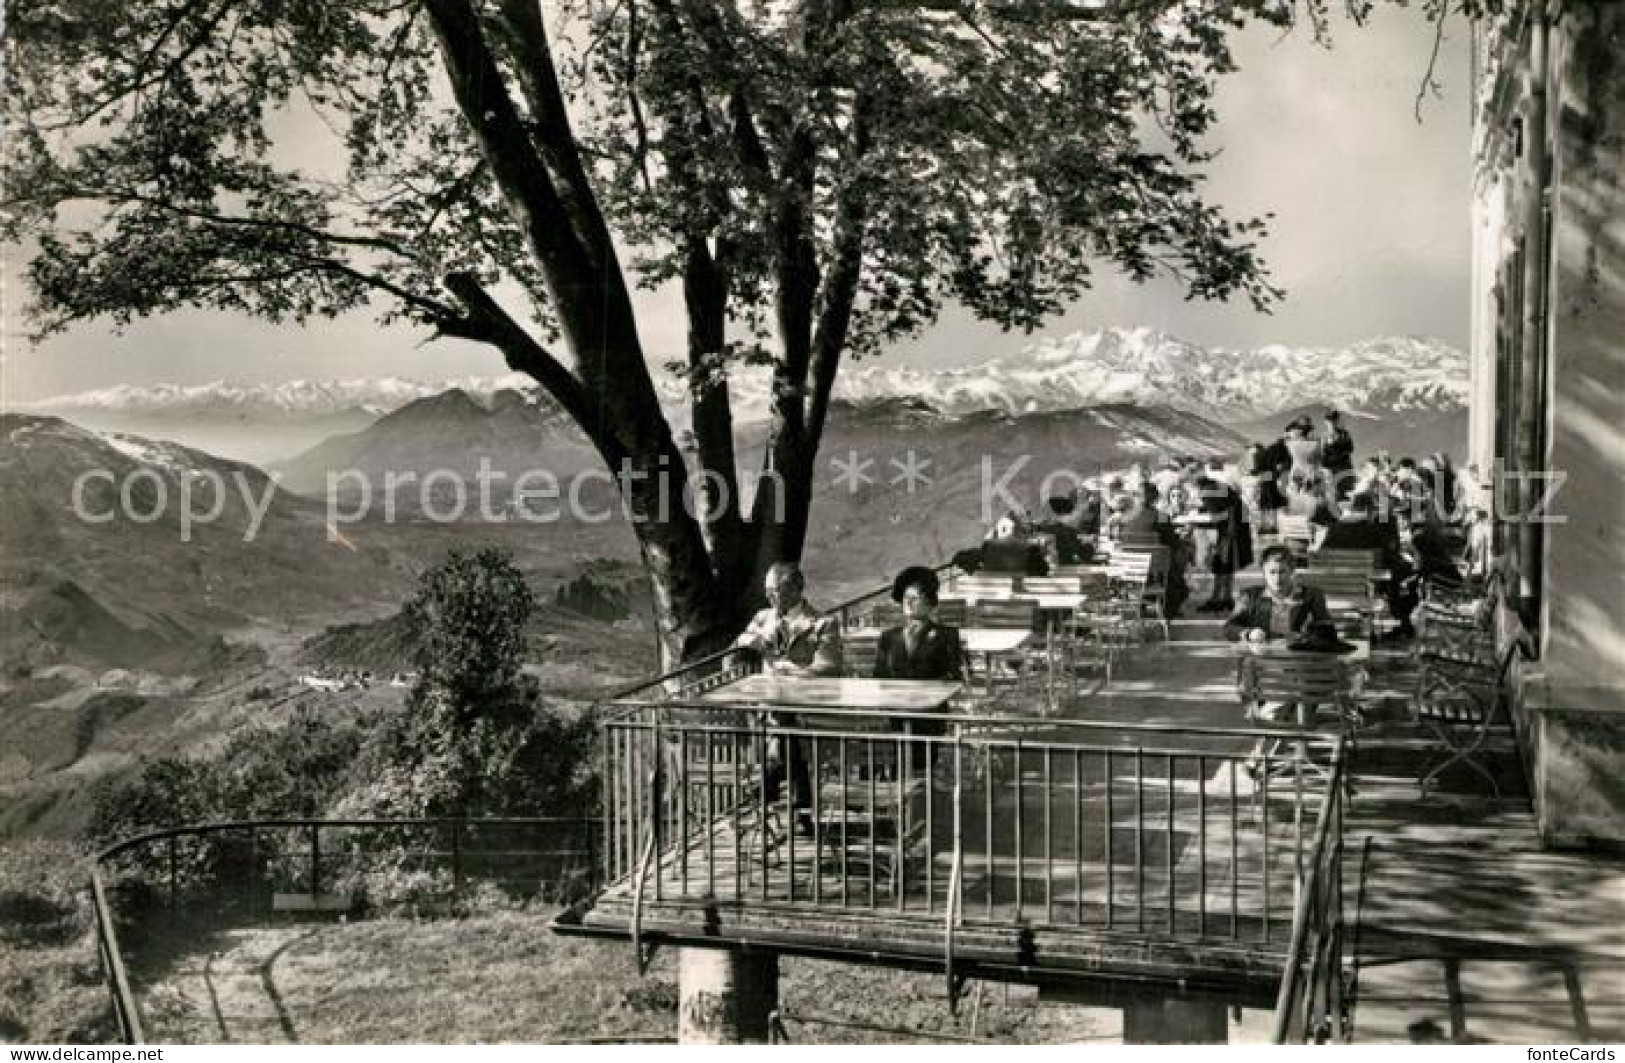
<point>1466,930</point>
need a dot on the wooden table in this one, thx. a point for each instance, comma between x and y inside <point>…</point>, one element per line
<point>886,695</point>
<point>1054,609</point>
<point>986,642</point>
<point>1277,647</point>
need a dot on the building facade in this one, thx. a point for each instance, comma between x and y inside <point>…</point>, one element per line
<point>1548,390</point>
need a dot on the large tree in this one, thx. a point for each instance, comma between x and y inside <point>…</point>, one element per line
<point>819,177</point>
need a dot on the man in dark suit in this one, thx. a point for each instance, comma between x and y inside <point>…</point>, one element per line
<point>1366,529</point>
<point>1278,609</point>
<point>1337,451</point>
<point>1009,552</point>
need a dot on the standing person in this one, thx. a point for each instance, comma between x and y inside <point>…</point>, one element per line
<point>1224,528</point>
<point>1088,518</point>
<point>1408,491</point>
<point>1373,483</point>
<point>793,639</point>
<point>1264,486</point>
<point>1309,496</point>
<point>1448,500</point>
<point>1337,453</point>
<point>1276,465</point>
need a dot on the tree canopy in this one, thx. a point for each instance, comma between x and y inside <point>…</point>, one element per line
<point>820,177</point>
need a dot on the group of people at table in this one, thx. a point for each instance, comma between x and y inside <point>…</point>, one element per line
<point>1210,517</point>
<point>795,640</point>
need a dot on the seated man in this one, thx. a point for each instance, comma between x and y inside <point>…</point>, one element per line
<point>1008,552</point>
<point>1281,608</point>
<point>1365,529</point>
<point>1070,548</point>
<point>793,639</point>
<point>791,636</point>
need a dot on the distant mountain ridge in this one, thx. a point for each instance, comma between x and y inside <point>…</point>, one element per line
<point>1116,366</point>
<point>1144,367</point>
<point>296,399</point>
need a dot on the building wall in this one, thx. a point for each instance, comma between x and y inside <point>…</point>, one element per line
<point>1584,633</point>
<point>1549,396</point>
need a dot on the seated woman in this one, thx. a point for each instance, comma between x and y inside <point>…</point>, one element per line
<point>919,648</point>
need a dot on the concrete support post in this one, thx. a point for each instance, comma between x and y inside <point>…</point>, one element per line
<point>725,997</point>
<point>1167,1021</point>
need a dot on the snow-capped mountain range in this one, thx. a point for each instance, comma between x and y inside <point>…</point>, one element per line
<point>293,399</point>
<point>1144,367</point>
<point>1138,366</point>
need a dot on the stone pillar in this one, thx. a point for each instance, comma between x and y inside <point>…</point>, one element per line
<point>1171,1021</point>
<point>725,996</point>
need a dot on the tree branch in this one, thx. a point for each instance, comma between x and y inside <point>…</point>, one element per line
<point>525,35</point>
<point>487,320</point>
<point>841,282</point>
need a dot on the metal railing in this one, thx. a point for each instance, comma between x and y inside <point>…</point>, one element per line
<point>1151,830</point>
<point>1313,1004</point>
<point>246,863</point>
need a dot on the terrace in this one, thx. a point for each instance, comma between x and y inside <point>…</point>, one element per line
<point>1111,846</point>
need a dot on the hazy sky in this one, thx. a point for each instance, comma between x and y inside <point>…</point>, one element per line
<point>1370,237</point>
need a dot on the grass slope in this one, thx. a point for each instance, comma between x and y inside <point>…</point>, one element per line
<point>51,987</point>
<point>505,977</point>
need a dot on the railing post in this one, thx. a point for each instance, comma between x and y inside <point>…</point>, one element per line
<point>315,859</point>
<point>254,862</point>
<point>456,864</point>
<point>174,870</point>
<point>595,880</point>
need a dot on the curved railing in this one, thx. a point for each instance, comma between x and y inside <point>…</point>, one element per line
<point>462,861</point>
<point>1312,1006</point>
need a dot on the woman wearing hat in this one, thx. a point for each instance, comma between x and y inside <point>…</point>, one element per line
<point>919,647</point>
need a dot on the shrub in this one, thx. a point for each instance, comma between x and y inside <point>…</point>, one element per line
<point>265,771</point>
<point>167,792</point>
<point>476,738</point>
<point>297,769</point>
